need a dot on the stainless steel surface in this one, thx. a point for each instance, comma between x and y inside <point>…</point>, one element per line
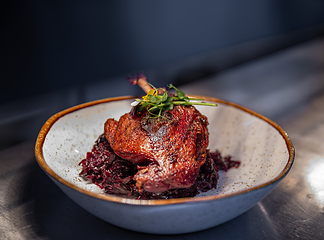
<point>287,86</point>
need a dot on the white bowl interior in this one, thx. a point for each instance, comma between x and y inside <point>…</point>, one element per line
<point>257,144</point>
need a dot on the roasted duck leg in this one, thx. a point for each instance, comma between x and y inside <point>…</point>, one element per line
<point>168,151</point>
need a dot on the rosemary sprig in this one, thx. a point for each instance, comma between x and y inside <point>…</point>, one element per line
<point>157,100</point>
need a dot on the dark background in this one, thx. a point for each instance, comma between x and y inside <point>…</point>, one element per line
<point>49,45</point>
<point>54,52</point>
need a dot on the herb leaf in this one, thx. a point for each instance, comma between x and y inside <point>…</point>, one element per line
<point>157,100</point>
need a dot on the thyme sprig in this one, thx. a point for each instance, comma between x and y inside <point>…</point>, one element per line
<point>158,100</point>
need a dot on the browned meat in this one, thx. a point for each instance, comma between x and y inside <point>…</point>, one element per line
<point>168,153</point>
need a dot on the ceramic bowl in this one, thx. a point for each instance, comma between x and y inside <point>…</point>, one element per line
<point>263,147</point>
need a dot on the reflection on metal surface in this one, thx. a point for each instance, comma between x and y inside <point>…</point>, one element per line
<point>315,178</point>
<point>268,218</point>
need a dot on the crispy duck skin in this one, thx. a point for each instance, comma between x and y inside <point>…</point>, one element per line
<point>168,153</point>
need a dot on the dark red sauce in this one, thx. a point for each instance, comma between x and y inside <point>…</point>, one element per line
<point>115,175</point>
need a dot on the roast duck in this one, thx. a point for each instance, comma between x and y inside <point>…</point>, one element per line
<point>157,150</point>
<point>168,154</point>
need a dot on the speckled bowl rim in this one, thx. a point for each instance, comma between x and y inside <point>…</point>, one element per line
<point>111,198</point>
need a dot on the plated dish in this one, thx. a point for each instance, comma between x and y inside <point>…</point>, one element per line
<point>263,147</point>
<point>157,150</point>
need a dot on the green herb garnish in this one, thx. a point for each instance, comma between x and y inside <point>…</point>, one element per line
<point>157,100</point>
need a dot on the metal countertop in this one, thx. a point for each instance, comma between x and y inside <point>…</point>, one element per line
<point>287,87</point>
